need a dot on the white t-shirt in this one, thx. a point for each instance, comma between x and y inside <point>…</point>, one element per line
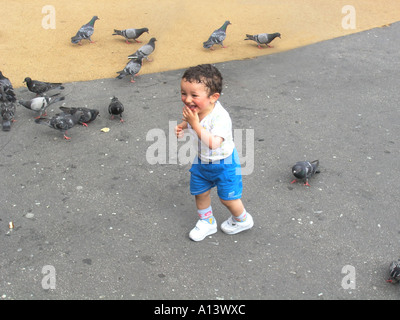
<point>218,123</point>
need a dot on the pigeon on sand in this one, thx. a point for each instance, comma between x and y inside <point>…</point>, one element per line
<point>130,34</point>
<point>217,37</point>
<point>263,38</point>
<point>85,32</point>
<point>132,68</point>
<point>144,51</point>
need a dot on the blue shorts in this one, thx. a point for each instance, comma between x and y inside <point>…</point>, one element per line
<point>226,174</point>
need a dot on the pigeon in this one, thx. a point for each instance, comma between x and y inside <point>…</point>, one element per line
<point>303,170</point>
<point>217,37</point>
<point>394,272</point>
<point>263,38</point>
<point>132,68</point>
<point>130,34</point>
<point>88,115</point>
<point>7,111</point>
<point>144,51</point>
<point>61,121</point>
<point>9,93</point>
<point>41,87</point>
<point>116,108</point>
<point>40,104</point>
<point>85,32</point>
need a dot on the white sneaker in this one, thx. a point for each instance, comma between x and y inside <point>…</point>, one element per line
<point>202,230</point>
<point>231,226</point>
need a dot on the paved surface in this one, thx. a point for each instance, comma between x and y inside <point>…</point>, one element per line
<point>114,226</point>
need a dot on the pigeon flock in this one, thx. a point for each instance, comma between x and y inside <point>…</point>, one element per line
<point>69,117</point>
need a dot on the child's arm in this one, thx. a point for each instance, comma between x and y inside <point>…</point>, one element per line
<point>213,142</point>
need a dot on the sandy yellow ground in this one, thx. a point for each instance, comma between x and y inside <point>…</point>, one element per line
<point>180,27</point>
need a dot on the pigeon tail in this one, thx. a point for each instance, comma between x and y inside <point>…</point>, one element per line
<point>136,55</point>
<point>6,125</point>
<point>76,39</point>
<point>121,75</point>
<point>250,37</point>
<point>117,32</point>
<point>315,165</point>
<point>56,100</point>
<point>25,103</point>
<point>44,121</point>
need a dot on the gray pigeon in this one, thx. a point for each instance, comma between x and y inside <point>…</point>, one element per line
<point>9,93</point>
<point>41,87</point>
<point>85,32</point>
<point>88,115</point>
<point>61,122</point>
<point>40,104</point>
<point>303,170</point>
<point>217,37</point>
<point>130,34</point>
<point>394,272</point>
<point>144,51</point>
<point>116,108</point>
<point>7,111</point>
<point>131,68</point>
<point>263,38</point>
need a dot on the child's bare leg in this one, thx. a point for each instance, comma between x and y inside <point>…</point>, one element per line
<point>203,201</point>
<point>234,206</point>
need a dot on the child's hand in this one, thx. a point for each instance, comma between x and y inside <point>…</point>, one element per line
<point>190,116</point>
<point>179,131</point>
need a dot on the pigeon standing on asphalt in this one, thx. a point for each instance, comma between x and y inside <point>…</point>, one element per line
<point>132,68</point>
<point>41,87</point>
<point>85,32</point>
<point>7,111</point>
<point>9,93</point>
<point>130,34</point>
<point>263,38</point>
<point>303,170</point>
<point>61,121</point>
<point>40,104</point>
<point>144,51</point>
<point>116,108</point>
<point>394,272</point>
<point>88,115</point>
<point>217,37</point>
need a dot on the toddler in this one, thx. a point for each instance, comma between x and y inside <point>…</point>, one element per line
<point>217,163</point>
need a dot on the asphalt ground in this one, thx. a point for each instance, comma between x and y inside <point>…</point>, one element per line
<point>94,219</point>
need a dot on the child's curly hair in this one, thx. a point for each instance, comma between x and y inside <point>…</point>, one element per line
<point>206,74</point>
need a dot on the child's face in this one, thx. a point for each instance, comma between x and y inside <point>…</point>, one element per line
<point>196,97</point>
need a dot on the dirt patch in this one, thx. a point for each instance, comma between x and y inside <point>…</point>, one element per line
<point>180,27</point>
